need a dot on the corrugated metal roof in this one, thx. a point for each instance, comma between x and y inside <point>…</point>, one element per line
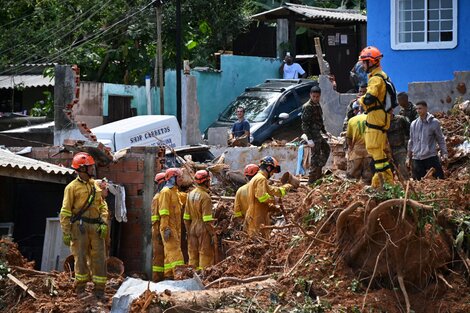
<point>12,81</point>
<point>312,13</point>
<point>11,160</point>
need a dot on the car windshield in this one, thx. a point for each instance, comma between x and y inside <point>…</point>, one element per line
<point>257,106</point>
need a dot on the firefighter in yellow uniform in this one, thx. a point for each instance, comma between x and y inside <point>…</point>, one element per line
<point>198,222</point>
<point>158,260</point>
<point>83,218</point>
<point>241,197</point>
<point>378,120</point>
<point>260,196</point>
<point>169,208</point>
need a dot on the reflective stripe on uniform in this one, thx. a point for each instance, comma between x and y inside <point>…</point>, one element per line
<point>81,277</point>
<point>65,212</point>
<point>237,214</point>
<point>264,197</point>
<point>283,191</point>
<point>199,268</point>
<point>99,279</point>
<point>207,218</point>
<point>173,264</point>
<point>381,165</point>
<point>102,206</point>
<point>164,212</point>
<point>158,269</point>
<point>155,218</point>
<point>187,217</point>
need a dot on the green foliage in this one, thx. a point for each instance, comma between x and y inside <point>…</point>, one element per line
<point>315,214</point>
<point>4,270</point>
<point>462,221</point>
<point>44,107</point>
<point>355,285</point>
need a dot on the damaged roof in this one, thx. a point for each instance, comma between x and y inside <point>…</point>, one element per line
<point>25,81</point>
<point>17,166</point>
<point>312,13</point>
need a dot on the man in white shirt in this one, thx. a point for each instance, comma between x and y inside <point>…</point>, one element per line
<point>291,70</point>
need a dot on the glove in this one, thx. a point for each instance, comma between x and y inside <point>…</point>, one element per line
<point>287,187</point>
<point>407,163</point>
<point>66,238</point>
<point>103,230</point>
<point>167,234</point>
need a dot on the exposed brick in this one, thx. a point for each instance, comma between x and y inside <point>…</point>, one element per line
<point>138,149</point>
<point>140,165</point>
<point>130,164</point>
<point>130,177</point>
<point>135,202</point>
<point>39,154</point>
<point>133,189</point>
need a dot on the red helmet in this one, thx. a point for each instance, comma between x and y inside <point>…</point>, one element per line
<point>251,170</point>
<point>371,54</point>
<point>82,159</point>
<point>201,176</point>
<point>270,161</point>
<point>160,178</point>
<point>169,173</point>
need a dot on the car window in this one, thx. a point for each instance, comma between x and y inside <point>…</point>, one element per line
<point>286,104</point>
<point>257,106</point>
<point>304,94</point>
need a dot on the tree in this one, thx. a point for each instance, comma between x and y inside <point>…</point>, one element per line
<point>112,40</point>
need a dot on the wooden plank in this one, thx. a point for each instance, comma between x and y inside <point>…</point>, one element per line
<point>22,285</point>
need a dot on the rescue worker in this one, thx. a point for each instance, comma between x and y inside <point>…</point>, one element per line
<point>378,120</point>
<point>241,197</point>
<point>83,219</point>
<point>359,161</point>
<point>408,109</point>
<point>353,107</point>
<point>260,197</point>
<point>312,125</point>
<point>198,221</point>
<point>398,135</point>
<point>169,208</point>
<point>103,183</point>
<point>158,260</point>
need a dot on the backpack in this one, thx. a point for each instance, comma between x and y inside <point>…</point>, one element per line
<point>390,95</point>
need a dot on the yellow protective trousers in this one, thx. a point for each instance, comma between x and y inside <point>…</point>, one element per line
<point>376,145</point>
<point>88,243</point>
<point>200,247</point>
<point>172,252</point>
<point>158,258</point>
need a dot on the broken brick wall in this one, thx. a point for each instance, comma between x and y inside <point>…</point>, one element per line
<point>135,171</point>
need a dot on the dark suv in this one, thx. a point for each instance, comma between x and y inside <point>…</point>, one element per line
<point>273,109</point>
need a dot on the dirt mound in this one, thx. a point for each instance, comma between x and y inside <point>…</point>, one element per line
<point>9,252</point>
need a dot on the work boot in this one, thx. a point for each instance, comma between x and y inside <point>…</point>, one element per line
<point>99,294</point>
<point>80,291</point>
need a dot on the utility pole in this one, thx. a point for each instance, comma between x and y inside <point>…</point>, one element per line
<point>158,76</point>
<point>178,60</point>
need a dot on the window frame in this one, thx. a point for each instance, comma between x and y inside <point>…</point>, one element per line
<point>425,45</point>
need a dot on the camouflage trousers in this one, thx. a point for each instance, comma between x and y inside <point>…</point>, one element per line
<point>320,154</point>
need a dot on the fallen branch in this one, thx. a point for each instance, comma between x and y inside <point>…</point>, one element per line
<point>22,285</point>
<point>31,271</point>
<point>343,216</point>
<point>278,227</point>
<point>238,280</point>
<point>301,258</point>
<point>401,282</point>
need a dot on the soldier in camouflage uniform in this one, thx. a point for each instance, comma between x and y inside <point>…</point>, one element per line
<point>398,135</point>
<point>407,109</point>
<point>312,125</point>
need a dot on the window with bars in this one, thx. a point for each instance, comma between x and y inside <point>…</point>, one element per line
<point>423,24</point>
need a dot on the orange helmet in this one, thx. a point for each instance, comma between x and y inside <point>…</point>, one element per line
<point>169,173</point>
<point>160,178</point>
<point>82,159</point>
<point>201,176</point>
<point>270,161</point>
<point>251,170</point>
<point>371,54</point>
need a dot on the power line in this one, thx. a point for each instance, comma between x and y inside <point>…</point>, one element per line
<point>48,37</point>
<point>58,54</point>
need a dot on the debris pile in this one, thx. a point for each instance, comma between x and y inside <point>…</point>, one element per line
<point>23,289</point>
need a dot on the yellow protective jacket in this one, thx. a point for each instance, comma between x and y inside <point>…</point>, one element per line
<point>169,208</point>
<point>76,195</point>
<point>241,202</point>
<point>198,208</point>
<point>260,195</point>
<point>376,87</point>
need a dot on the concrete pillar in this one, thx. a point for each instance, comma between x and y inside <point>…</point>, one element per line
<point>148,193</point>
<point>64,93</point>
<point>282,37</point>
<point>190,112</point>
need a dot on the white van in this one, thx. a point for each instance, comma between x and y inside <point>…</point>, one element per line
<point>142,130</point>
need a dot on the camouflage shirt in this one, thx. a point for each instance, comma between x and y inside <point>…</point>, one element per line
<point>410,112</point>
<point>312,120</point>
<point>399,132</point>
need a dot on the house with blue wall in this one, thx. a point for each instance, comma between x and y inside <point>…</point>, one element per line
<point>421,40</point>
